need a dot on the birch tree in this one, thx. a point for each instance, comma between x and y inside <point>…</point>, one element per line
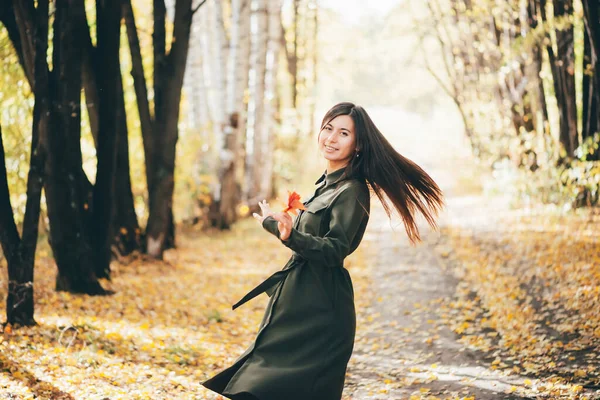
<point>257,140</point>
<point>228,195</point>
<point>270,127</point>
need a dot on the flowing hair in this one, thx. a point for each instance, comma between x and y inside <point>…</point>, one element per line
<point>375,161</point>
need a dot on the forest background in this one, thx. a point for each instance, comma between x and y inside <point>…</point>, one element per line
<point>125,122</point>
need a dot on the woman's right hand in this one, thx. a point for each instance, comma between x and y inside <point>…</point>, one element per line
<point>265,209</point>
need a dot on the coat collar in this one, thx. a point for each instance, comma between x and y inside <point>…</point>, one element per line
<point>332,177</point>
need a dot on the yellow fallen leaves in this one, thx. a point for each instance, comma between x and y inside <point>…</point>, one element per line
<point>168,326</point>
<point>528,292</point>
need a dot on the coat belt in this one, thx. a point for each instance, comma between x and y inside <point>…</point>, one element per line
<point>271,281</point>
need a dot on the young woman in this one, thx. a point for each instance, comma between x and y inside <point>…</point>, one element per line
<point>306,337</point>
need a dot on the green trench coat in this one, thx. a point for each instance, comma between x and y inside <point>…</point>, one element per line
<point>306,337</point>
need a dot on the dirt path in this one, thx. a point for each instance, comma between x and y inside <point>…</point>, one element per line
<point>404,348</point>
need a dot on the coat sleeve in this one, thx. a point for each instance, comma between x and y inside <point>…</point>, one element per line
<point>349,212</point>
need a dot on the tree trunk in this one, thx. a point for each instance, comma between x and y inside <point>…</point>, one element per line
<point>169,77</point>
<point>90,66</point>
<point>591,78</point>
<point>20,252</point>
<point>562,64</point>
<point>19,302</point>
<point>270,129</point>
<point>533,15</point>
<point>126,228</point>
<point>237,81</point>
<point>220,214</point>
<point>9,20</point>
<point>293,67</point>
<point>259,51</point>
<point>66,197</point>
<point>315,55</point>
<point>109,79</point>
<point>140,87</point>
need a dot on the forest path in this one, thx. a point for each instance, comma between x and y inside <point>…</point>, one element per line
<point>405,349</point>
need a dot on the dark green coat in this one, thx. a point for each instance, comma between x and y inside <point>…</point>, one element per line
<point>306,337</point>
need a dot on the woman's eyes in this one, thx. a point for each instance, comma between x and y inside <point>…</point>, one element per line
<point>328,128</point>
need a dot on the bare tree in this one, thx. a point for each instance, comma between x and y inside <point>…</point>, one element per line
<point>257,91</point>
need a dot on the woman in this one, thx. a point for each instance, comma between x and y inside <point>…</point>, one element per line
<point>306,337</point>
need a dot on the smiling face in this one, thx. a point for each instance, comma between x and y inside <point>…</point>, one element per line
<point>337,142</point>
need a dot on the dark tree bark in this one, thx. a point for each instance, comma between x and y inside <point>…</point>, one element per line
<point>23,13</point>
<point>563,66</point>
<point>109,76</point>
<point>8,19</point>
<point>67,191</point>
<point>20,252</point>
<point>147,122</point>
<point>19,302</point>
<point>125,222</point>
<point>139,84</point>
<point>591,78</point>
<point>168,82</point>
<point>90,65</point>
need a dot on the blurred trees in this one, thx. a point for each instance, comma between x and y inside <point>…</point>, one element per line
<point>523,74</point>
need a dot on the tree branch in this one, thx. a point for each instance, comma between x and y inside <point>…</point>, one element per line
<point>198,7</point>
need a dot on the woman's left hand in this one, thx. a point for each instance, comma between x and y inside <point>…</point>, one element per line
<point>284,224</point>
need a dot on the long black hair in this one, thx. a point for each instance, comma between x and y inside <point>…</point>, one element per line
<point>375,161</point>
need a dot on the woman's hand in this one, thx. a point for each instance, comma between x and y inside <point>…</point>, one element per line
<point>284,224</point>
<point>284,220</point>
<point>265,209</point>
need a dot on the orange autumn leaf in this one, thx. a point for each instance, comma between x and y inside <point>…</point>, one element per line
<point>293,203</point>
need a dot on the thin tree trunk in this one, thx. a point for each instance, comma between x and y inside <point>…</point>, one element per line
<point>170,74</point>
<point>237,81</point>
<point>19,302</point>
<point>127,230</point>
<point>294,65</point>
<point>591,112</point>
<point>562,67</point>
<point>19,305</point>
<point>270,110</point>
<point>315,55</point>
<point>24,12</point>
<point>242,120</point>
<point>20,252</point>
<point>258,98</point>
<point>109,77</point>
<point>90,66</point>
<point>221,214</point>
<point>9,20</point>
<point>140,87</point>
